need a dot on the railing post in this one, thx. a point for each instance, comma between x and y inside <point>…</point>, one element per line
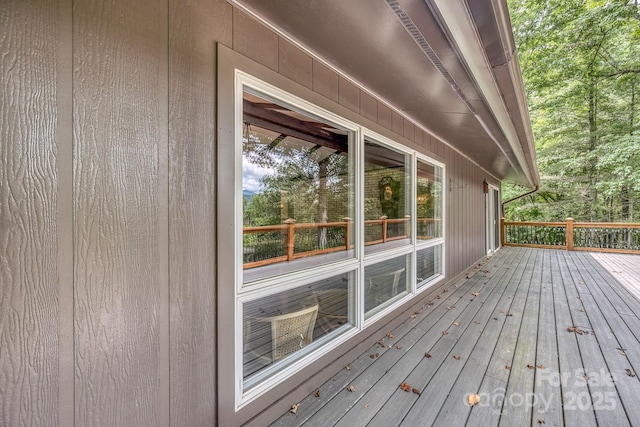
<point>407,223</point>
<point>503,232</point>
<point>569,233</point>
<point>347,232</point>
<point>291,223</point>
<point>384,228</point>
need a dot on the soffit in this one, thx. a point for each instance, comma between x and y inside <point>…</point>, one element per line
<point>366,41</point>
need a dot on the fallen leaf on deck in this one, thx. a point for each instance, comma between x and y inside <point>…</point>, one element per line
<point>398,347</point>
<point>351,388</point>
<point>348,368</point>
<point>509,315</point>
<point>427,355</point>
<point>622,351</point>
<point>366,405</point>
<point>475,294</point>
<point>540,421</point>
<point>540,366</point>
<point>473,399</point>
<point>294,408</point>
<point>476,322</point>
<point>438,296</point>
<point>456,356</point>
<point>495,318</point>
<point>630,373</point>
<point>390,334</point>
<point>530,366</point>
<point>507,367</point>
<point>451,307</point>
<point>577,330</point>
<point>416,391</point>
<point>317,393</point>
<point>445,333</point>
<point>456,324</point>
<point>405,387</point>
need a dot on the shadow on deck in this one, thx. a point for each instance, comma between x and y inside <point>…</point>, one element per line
<point>542,337</point>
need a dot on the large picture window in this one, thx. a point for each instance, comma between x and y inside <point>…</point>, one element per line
<point>334,226</point>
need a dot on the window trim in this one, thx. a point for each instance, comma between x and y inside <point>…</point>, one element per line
<point>243,292</point>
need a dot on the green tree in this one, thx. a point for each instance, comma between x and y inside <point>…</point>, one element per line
<point>580,62</point>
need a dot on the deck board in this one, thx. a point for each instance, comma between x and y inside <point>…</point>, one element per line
<point>594,359</point>
<point>567,382</point>
<point>528,298</point>
<point>470,379</point>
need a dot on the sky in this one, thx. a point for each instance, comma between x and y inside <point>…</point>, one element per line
<point>252,176</point>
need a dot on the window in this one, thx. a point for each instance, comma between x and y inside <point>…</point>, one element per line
<point>429,226</point>
<point>387,197</point>
<point>333,226</point>
<point>384,282</point>
<point>292,322</point>
<point>297,188</point>
<point>428,201</point>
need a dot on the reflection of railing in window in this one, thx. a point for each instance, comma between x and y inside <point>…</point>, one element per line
<point>272,244</point>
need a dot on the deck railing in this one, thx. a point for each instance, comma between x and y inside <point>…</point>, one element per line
<point>573,236</point>
<point>272,244</point>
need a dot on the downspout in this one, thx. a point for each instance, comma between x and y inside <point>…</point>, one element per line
<point>513,199</point>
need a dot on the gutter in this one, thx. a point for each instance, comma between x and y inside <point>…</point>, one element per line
<point>513,199</point>
<point>465,37</point>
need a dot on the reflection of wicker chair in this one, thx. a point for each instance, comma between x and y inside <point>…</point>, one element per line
<point>292,331</point>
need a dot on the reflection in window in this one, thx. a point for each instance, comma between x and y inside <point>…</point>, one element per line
<point>297,185</point>
<point>387,204</point>
<point>428,264</point>
<point>279,325</point>
<point>428,201</point>
<point>384,281</point>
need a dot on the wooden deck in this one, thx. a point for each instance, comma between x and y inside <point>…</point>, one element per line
<point>542,337</point>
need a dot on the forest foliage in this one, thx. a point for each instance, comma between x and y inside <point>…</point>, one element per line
<point>580,61</point>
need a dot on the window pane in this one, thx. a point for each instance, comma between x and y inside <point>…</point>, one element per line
<point>280,325</point>
<point>428,264</point>
<point>387,204</point>
<point>297,189</point>
<point>429,201</point>
<point>384,281</point>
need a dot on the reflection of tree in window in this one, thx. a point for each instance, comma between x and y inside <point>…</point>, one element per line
<point>305,171</point>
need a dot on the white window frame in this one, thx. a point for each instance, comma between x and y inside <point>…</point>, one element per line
<point>439,241</point>
<point>244,292</point>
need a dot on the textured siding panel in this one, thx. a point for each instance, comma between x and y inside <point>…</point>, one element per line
<point>254,40</point>
<point>409,131</point>
<point>368,107</point>
<point>295,64</point>
<point>397,123</point>
<point>384,116</point>
<point>120,146</point>
<point>349,95</point>
<point>325,81</point>
<point>192,198</point>
<point>29,306</point>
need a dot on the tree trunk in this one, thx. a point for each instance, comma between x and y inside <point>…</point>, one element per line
<point>592,199</point>
<point>323,207</point>
<point>627,196</point>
